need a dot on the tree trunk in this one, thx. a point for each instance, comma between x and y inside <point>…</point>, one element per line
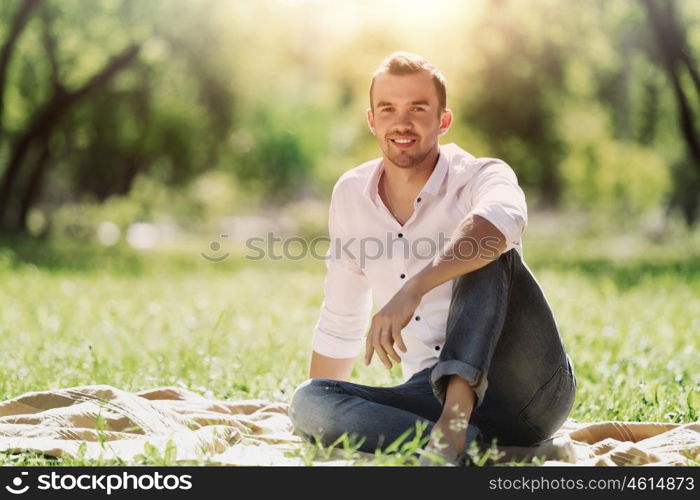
<point>18,24</point>
<point>674,51</point>
<point>32,190</point>
<point>47,118</point>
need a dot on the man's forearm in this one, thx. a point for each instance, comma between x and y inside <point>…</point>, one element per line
<point>475,244</point>
<point>327,367</point>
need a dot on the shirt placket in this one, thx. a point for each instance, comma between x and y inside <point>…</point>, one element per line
<point>405,262</point>
<point>401,259</point>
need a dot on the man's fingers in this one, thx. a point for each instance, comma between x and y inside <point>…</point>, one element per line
<point>398,338</point>
<point>369,349</point>
<point>391,352</point>
<point>382,355</point>
<point>368,355</point>
<point>389,343</point>
<point>379,348</point>
<point>381,339</point>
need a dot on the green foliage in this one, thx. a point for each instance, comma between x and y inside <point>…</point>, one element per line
<point>686,188</point>
<point>271,157</point>
<point>148,201</point>
<point>589,124</point>
<point>516,96</point>
<point>605,174</point>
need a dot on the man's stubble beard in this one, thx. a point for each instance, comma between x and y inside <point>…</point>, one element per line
<point>406,160</point>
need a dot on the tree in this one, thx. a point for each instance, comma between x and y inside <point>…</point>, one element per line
<point>675,56</point>
<point>93,132</point>
<point>515,105</point>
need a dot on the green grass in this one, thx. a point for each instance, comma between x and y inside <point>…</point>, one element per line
<point>73,314</point>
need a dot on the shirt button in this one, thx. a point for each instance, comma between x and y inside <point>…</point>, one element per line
<point>417,318</point>
<point>400,235</point>
<point>437,347</point>
<point>418,200</point>
<point>402,276</point>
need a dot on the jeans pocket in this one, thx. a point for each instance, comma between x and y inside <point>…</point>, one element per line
<point>551,404</point>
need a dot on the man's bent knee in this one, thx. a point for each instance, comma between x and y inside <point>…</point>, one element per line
<point>309,409</point>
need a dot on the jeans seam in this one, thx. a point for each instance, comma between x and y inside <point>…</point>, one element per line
<point>500,312</point>
<point>410,393</point>
<point>560,374</point>
<point>541,388</point>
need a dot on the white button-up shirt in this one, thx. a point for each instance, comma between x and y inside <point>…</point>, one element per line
<point>371,255</point>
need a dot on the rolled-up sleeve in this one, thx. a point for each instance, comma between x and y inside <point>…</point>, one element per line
<point>344,315</point>
<point>497,197</point>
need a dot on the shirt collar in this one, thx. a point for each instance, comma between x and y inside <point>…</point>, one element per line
<point>432,187</point>
<point>438,176</point>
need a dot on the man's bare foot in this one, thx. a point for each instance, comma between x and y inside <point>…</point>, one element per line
<point>447,438</point>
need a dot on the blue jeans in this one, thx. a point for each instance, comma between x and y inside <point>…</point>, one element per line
<point>501,338</point>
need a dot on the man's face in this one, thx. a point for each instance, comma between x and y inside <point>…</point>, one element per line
<point>405,117</point>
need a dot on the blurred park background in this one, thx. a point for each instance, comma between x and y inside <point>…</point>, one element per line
<point>138,136</point>
<point>185,111</point>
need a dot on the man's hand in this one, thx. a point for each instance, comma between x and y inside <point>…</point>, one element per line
<point>387,323</point>
<point>386,326</point>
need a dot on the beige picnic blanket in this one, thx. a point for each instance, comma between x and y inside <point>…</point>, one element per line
<point>103,422</point>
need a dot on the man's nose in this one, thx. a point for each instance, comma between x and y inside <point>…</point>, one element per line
<point>403,122</point>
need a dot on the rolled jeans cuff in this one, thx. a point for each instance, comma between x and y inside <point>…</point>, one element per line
<point>474,377</point>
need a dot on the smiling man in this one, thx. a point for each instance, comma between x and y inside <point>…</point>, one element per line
<point>480,351</point>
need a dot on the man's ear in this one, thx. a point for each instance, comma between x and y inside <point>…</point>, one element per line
<point>445,121</point>
<point>370,121</point>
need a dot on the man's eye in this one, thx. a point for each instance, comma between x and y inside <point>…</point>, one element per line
<point>387,109</point>
<point>418,109</point>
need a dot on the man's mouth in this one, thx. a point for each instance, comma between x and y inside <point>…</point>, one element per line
<point>403,143</point>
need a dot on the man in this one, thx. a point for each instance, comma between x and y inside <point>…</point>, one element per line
<point>481,354</point>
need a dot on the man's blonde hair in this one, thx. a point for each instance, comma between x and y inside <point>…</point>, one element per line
<point>407,63</point>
